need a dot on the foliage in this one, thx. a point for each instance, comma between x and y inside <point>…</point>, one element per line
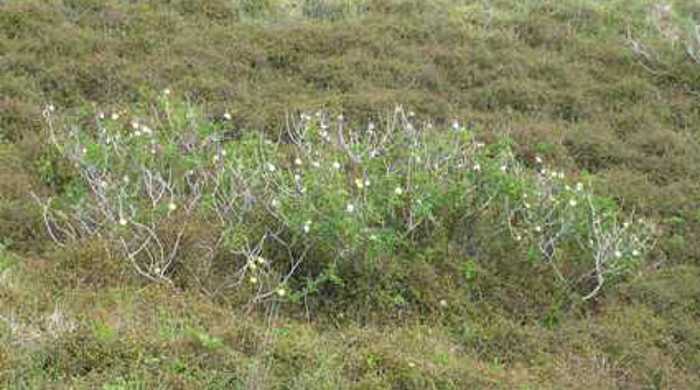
<point>603,91</point>
<point>326,201</point>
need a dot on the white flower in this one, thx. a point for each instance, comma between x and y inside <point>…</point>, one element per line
<point>370,126</point>
<point>635,253</point>
<point>271,167</point>
<point>307,226</point>
<point>398,191</point>
<point>172,206</point>
<point>324,134</point>
<point>411,114</point>
<point>443,303</point>
<point>146,130</point>
<point>297,162</point>
<point>626,225</point>
<point>166,91</point>
<point>527,205</point>
<point>253,280</point>
<point>224,152</point>
<point>227,116</point>
<point>479,145</point>
<point>538,159</point>
<point>477,167</point>
<point>216,158</point>
<point>137,133</point>
<point>275,203</point>
<point>261,260</point>
<point>156,270</point>
<point>115,116</point>
<point>579,186</point>
<point>561,175</point>
<point>455,125</point>
<point>411,364</point>
<point>51,108</point>
<point>367,183</point>
<point>281,292</point>
<point>359,183</point>
<point>134,125</point>
<point>315,164</point>
<point>518,237</point>
<point>252,266</point>
<point>538,229</point>
<point>101,115</point>
<point>504,168</point>
<point>573,203</point>
<point>618,254</point>
<point>340,117</point>
<point>103,183</point>
<point>126,179</point>
<point>123,221</point>
<point>336,165</point>
<point>350,208</point>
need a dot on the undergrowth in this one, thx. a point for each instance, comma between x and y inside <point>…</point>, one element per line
<point>534,223</point>
<point>182,198</point>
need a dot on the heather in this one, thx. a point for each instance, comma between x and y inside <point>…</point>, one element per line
<point>349,194</point>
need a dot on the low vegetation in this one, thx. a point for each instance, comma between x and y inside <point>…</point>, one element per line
<point>349,194</point>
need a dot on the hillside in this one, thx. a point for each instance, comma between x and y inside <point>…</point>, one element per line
<point>343,194</point>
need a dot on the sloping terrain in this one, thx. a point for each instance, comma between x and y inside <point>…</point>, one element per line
<point>608,91</point>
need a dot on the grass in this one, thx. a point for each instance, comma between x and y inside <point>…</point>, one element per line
<point>602,90</point>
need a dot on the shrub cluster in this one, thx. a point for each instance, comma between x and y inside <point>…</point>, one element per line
<point>324,207</point>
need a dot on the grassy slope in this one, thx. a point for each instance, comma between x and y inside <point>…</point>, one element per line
<point>557,75</point>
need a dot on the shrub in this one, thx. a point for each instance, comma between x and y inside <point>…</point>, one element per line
<point>324,208</point>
